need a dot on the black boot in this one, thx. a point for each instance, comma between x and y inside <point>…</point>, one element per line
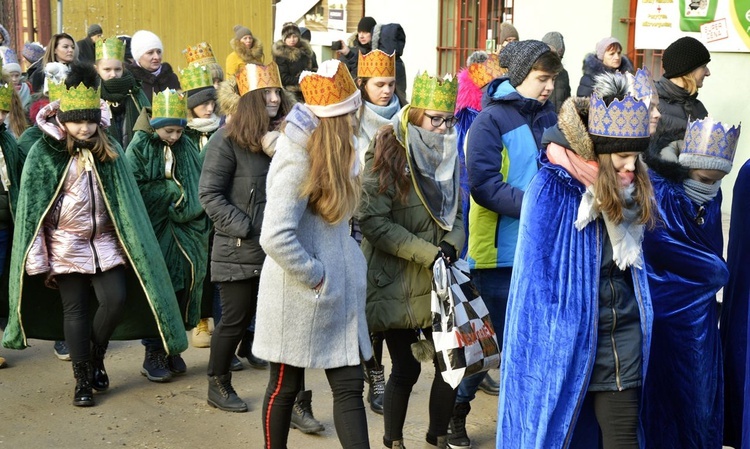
<point>302,415</point>
<point>245,350</point>
<point>84,395</point>
<point>377,389</point>
<point>99,377</point>
<point>457,437</point>
<point>221,394</point>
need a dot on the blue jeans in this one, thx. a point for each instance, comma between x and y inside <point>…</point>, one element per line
<point>493,284</point>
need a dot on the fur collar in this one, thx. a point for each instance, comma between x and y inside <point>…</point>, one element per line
<point>252,55</point>
<point>572,121</point>
<point>663,153</point>
<point>364,49</point>
<point>469,95</point>
<point>281,50</point>
<point>593,66</point>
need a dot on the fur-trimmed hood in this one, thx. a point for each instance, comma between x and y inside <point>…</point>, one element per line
<point>252,55</point>
<point>593,66</point>
<point>571,130</point>
<point>281,50</point>
<point>469,95</point>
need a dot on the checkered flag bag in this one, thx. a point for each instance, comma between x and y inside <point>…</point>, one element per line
<point>465,341</point>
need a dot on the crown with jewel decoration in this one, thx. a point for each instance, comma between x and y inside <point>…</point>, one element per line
<point>200,54</point>
<point>110,48</point>
<point>6,95</point>
<point>481,73</point>
<point>79,98</point>
<point>437,94</point>
<point>169,104</point>
<point>251,77</point>
<point>376,63</point>
<point>330,91</point>
<point>622,119</point>
<point>195,77</point>
<point>713,143</point>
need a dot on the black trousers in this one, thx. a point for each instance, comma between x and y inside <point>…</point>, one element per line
<point>239,299</point>
<point>404,376</point>
<point>75,293</point>
<point>347,384</point>
<point>617,414</point>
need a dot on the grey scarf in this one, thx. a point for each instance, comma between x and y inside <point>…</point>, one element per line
<point>434,172</point>
<point>699,192</point>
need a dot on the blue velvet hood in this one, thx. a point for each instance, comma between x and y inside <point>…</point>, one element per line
<point>553,303</point>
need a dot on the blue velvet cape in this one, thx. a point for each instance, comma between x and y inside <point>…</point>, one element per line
<point>734,318</point>
<point>552,321</point>
<point>683,406</point>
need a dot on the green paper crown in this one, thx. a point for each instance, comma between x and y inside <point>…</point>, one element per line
<point>169,104</point>
<point>6,95</point>
<point>110,48</point>
<point>195,77</point>
<point>434,93</point>
<point>79,98</point>
<point>55,90</point>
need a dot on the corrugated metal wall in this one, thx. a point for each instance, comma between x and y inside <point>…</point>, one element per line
<point>177,23</point>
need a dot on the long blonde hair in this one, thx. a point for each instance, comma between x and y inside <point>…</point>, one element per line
<point>332,190</point>
<point>609,198</point>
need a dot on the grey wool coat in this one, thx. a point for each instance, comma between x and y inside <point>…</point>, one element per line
<point>293,326</point>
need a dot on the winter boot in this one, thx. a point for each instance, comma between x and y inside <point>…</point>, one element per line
<point>202,334</point>
<point>457,437</point>
<point>302,415</point>
<point>441,443</point>
<point>246,350</point>
<point>83,395</point>
<point>99,377</point>
<point>490,385</point>
<point>376,391</point>
<point>176,364</point>
<point>221,394</point>
<point>155,366</point>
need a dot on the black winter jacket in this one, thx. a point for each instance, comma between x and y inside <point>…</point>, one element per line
<point>292,61</point>
<point>677,105</point>
<point>593,66</point>
<point>232,190</point>
<point>151,84</point>
<point>389,38</point>
<point>562,90</point>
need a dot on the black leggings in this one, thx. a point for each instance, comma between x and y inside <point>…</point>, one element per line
<point>617,414</point>
<point>404,375</point>
<point>239,300</point>
<point>75,292</point>
<point>347,384</point>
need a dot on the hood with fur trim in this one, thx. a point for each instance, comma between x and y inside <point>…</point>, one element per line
<point>252,55</point>
<point>281,50</point>
<point>469,95</point>
<point>593,66</point>
<point>571,130</point>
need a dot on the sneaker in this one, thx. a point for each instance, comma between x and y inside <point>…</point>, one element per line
<point>176,364</point>
<point>457,437</point>
<point>155,366</point>
<point>61,350</point>
<point>202,334</point>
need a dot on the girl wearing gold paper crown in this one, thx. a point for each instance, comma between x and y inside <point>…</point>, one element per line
<point>684,396</point>
<point>167,166</point>
<point>233,192</point>
<point>311,296</point>
<point>119,89</point>
<point>579,310</point>
<point>410,216</point>
<point>80,224</point>
<point>202,122</point>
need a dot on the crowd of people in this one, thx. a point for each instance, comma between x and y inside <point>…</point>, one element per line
<point>301,205</point>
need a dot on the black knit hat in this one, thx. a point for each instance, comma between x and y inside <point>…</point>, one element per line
<point>609,145</point>
<point>366,24</point>
<point>520,56</point>
<point>683,56</point>
<point>199,96</point>
<point>81,74</point>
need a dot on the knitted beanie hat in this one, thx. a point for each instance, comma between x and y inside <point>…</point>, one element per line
<point>197,97</point>
<point>520,56</point>
<point>240,32</point>
<point>555,40</point>
<point>604,44</point>
<point>143,41</point>
<point>366,24</point>
<point>33,51</point>
<point>94,30</point>
<point>290,28</point>
<point>507,30</point>
<point>683,56</point>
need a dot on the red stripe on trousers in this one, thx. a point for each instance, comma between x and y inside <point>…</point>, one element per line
<point>270,405</point>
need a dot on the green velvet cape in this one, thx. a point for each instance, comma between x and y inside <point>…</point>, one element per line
<point>35,310</point>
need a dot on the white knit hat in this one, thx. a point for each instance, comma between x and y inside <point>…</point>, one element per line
<point>143,41</point>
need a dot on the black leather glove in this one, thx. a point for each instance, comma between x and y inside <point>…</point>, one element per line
<point>449,252</point>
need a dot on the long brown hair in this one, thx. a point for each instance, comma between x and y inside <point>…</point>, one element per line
<point>332,191</point>
<point>18,122</point>
<point>251,121</point>
<point>390,158</point>
<point>362,82</point>
<point>609,198</point>
<point>102,150</point>
<point>49,53</point>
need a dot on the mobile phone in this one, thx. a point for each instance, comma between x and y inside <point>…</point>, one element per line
<point>335,45</point>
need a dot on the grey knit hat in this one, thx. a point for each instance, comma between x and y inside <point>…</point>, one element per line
<point>241,31</point>
<point>506,30</point>
<point>555,40</point>
<point>520,56</point>
<point>199,96</point>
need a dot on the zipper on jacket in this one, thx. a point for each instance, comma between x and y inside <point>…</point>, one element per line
<point>93,219</point>
<point>248,213</point>
<point>618,381</point>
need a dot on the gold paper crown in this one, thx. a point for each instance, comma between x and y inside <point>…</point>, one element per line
<point>251,77</point>
<point>110,48</point>
<point>376,63</point>
<point>6,95</point>
<point>481,73</point>
<point>169,104</point>
<point>79,98</point>
<point>195,77</point>
<point>434,93</point>
<point>325,88</point>
<point>200,54</point>
<point>54,89</point>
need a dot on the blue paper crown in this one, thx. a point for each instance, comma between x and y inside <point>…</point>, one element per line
<point>707,137</point>
<point>624,119</point>
<point>642,84</point>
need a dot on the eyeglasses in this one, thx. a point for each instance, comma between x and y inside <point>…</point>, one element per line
<point>438,120</point>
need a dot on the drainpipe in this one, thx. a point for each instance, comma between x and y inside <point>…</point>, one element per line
<point>59,16</point>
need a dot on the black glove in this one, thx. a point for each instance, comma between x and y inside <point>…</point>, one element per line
<point>449,252</point>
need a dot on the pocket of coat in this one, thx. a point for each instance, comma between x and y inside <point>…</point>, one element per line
<point>385,274</point>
